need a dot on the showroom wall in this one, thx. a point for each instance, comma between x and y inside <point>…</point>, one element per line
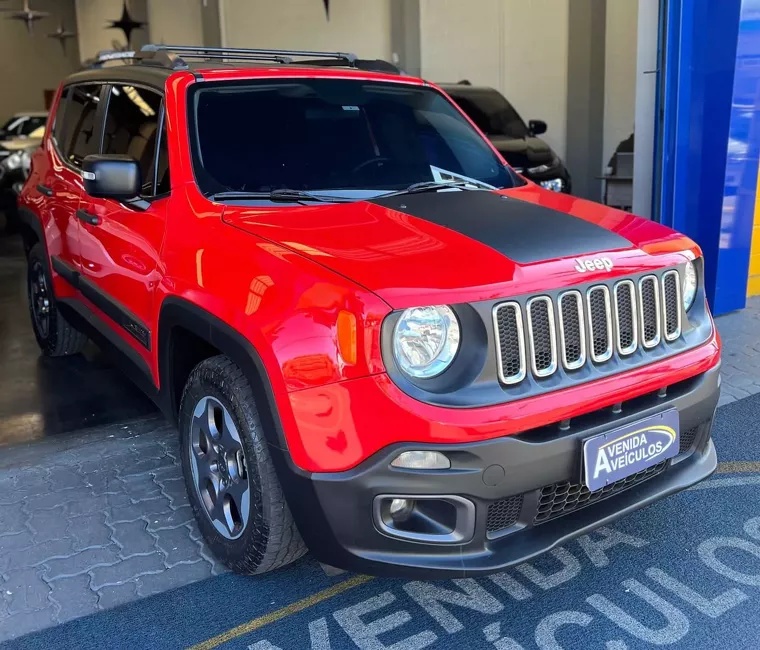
<point>619,74</point>
<point>34,63</point>
<point>178,22</point>
<point>93,17</point>
<point>515,46</point>
<point>361,26</point>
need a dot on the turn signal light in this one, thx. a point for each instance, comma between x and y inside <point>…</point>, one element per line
<point>347,336</point>
<point>421,460</point>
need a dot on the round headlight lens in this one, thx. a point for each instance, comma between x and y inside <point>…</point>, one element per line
<point>689,289</point>
<point>426,340</point>
<point>14,161</point>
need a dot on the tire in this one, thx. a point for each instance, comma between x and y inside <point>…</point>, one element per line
<point>55,336</point>
<point>264,536</point>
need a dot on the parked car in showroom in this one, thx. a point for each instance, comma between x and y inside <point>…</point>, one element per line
<point>15,162</point>
<point>377,341</point>
<point>518,142</point>
<point>23,125</point>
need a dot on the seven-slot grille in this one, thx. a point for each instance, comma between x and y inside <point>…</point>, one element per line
<point>589,325</point>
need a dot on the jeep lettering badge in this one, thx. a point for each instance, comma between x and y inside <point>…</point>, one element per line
<point>595,264</point>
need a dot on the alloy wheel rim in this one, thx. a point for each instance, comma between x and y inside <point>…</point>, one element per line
<point>40,300</point>
<point>220,473</point>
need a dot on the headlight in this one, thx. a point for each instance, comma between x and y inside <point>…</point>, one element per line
<point>426,340</point>
<point>555,185</point>
<point>14,161</point>
<point>689,288</point>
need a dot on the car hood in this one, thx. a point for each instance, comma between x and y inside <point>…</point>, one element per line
<point>523,152</point>
<point>449,247</point>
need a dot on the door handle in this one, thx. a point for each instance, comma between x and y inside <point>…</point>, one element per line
<point>85,216</point>
<point>44,189</point>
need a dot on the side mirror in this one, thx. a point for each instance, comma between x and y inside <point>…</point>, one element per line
<point>537,127</point>
<point>111,177</point>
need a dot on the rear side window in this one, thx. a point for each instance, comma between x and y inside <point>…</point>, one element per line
<point>80,136</point>
<point>60,118</point>
<point>132,129</point>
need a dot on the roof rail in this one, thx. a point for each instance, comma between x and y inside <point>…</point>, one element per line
<point>173,56</point>
<point>371,65</point>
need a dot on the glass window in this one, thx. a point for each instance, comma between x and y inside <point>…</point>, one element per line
<point>333,134</point>
<point>163,185</point>
<point>131,128</point>
<point>31,124</point>
<point>80,137</point>
<point>493,114</point>
<point>60,118</point>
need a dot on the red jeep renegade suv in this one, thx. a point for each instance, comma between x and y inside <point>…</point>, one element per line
<point>377,340</point>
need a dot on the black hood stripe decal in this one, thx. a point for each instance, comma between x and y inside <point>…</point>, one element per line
<point>522,231</point>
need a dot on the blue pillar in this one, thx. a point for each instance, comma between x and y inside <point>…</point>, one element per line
<point>697,96</point>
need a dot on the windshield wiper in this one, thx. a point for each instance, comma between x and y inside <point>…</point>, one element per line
<point>280,196</point>
<point>432,186</point>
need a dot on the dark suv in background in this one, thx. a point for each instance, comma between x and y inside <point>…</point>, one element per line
<point>517,142</point>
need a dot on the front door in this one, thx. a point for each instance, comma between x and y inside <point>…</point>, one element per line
<point>120,242</point>
<point>74,137</point>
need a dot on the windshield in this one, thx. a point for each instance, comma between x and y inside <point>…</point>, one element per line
<point>333,135</point>
<point>493,114</point>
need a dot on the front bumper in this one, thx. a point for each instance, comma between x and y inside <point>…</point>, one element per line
<point>508,481</point>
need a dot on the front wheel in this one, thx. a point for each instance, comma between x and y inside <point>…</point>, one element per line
<point>55,335</point>
<point>231,481</point>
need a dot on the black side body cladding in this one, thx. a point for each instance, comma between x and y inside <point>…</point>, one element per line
<point>113,309</point>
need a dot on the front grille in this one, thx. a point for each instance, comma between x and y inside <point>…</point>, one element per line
<point>503,513</point>
<point>511,342</point>
<point>542,337</point>
<point>625,315</point>
<point>671,292</point>
<point>571,330</point>
<point>649,298</point>
<point>600,323</point>
<point>562,498</point>
<point>586,327</point>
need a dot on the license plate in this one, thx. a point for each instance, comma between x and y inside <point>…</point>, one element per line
<point>617,454</point>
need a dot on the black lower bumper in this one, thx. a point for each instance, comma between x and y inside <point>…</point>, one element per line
<point>512,498</point>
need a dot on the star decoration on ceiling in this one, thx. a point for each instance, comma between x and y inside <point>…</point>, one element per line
<point>126,23</point>
<point>62,35</point>
<point>28,16</point>
<point>327,8</point>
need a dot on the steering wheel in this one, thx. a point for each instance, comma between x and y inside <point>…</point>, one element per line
<point>372,161</point>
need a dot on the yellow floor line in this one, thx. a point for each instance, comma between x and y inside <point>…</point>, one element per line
<point>742,466</point>
<point>294,608</point>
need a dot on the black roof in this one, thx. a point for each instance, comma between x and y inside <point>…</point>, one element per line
<point>154,63</point>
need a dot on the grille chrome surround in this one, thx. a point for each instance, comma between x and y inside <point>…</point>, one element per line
<point>649,284</point>
<point>672,312</point>
<point>541,326</point>
<point>514,311</point>
<point>579,360</point>
<point>625,350</point>
<point>569,330</point>
<point>606,354</point>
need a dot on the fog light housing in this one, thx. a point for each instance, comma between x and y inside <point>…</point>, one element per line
<point>421,460</point>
